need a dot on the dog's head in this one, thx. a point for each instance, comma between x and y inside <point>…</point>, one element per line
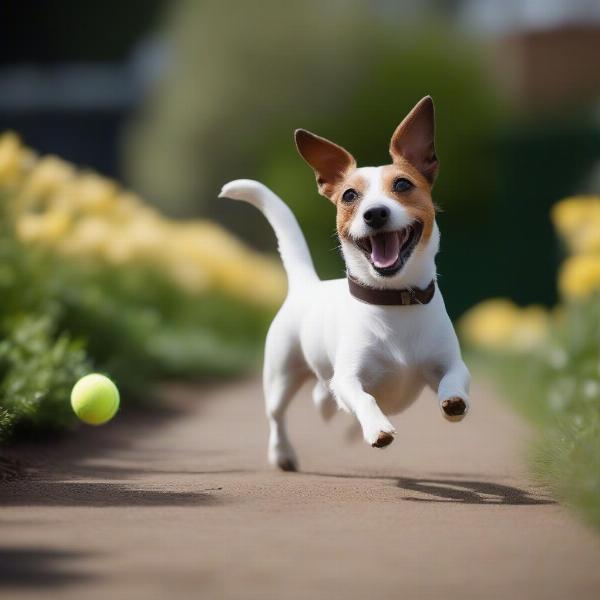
<point>385,215</point>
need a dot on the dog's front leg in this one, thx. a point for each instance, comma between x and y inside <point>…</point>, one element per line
<point>376,428</point>
<point>453,391</point>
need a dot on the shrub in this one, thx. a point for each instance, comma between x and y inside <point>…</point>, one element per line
<point>92,278</point>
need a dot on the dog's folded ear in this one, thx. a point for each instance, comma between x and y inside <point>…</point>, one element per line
<point>330,162</point>
<point>414,139</point>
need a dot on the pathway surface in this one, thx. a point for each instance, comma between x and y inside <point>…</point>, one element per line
<point>182,505</point>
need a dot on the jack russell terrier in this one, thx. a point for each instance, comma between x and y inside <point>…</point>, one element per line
<point>372,340</point>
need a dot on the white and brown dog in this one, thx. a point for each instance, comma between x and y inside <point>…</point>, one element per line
<point>374,340</point>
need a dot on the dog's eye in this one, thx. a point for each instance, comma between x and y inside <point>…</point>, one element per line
<point>402,185</point>
<point>350,195</point>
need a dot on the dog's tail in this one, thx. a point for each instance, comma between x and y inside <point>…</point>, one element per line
<point>292,245</point>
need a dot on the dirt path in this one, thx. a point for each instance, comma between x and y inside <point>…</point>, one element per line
<point>185,507</point>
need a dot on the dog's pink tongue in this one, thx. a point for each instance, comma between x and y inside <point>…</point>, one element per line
<point>385,248</point>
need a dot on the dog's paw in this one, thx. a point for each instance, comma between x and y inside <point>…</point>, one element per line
<point>383,439</point>
<point>454,409</point>
<point>283,457</point>
<point>287,464</point>
<point>379,434</point>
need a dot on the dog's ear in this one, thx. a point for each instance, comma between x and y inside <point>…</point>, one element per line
<point>414,139</point>
<point>330,162</point>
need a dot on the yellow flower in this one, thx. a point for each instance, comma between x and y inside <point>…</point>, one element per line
<point>91,193</point>
<point>89,237</point>
<point>127,207</point>
<point>86,215</point>
<point>28,228</point>
<point>148,236</point>
<point>189,277</point>
<point>223,262</point>
<point>48,175</point>
<point>55,225</point>
<point>532,328</point>
<point>577,220</point>
<point>118,251</point>
<point>498,324</point>
<point>490,323</point>
<point>47,228</point>
<point>14,159</point>
<point>579,276</point>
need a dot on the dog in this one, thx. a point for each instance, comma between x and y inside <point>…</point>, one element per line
<point>373,340</point>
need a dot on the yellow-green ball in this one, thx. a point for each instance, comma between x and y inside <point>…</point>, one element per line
<point>95,399</point>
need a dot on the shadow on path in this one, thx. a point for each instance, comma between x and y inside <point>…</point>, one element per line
<point>467,492</point>
<point>70,493</point>
<point>69,451</point>
<point>39,568</point>
<point>459,491</point>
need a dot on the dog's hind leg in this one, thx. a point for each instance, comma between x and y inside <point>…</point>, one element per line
<point>280,388</point>
<point>284,372</point>
<point>323,400</point>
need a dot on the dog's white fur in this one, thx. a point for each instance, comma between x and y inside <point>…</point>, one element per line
<point>367,359</point>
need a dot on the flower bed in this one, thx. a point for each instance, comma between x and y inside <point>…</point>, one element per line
<point>548,361</point>
<point>93,277</point>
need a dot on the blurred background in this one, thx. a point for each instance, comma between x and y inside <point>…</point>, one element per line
<point>120,122</point>
<point>175,98</point>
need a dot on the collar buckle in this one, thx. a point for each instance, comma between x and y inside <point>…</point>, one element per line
<point>407,297</point>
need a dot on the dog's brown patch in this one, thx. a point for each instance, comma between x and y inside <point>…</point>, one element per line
<point>383,439</point>
<point>414,139</point>
<point>347,210</point>
<point>330,162</point>
<point>454,407</point>
<point>417,201</point>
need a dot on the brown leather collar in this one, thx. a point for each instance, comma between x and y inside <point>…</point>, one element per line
<point>405,297</point>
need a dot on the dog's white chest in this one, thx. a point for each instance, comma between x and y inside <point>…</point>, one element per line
<point>392,371</point>
<point>389,349</point>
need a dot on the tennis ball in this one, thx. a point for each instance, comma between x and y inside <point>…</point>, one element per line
<point>95,399</point>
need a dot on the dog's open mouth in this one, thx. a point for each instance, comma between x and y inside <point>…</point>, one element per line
<point>388,251</point>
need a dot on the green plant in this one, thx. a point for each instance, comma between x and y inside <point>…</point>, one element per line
<point>131,323</point>
<point>37,370</point>
<point>557,387</point>
<point>92,278</point>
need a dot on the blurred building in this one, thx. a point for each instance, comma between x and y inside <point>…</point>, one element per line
<point>546,52</point>
<point>72,73</point>
<point>552,68</point>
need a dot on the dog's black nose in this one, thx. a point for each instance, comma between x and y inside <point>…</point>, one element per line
<point>377,216</point>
